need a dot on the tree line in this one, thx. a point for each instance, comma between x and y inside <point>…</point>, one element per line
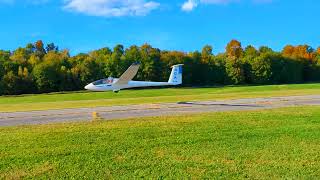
<point>39,68</point>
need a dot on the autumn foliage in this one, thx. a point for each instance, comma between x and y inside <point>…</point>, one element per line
<point>39,68</point>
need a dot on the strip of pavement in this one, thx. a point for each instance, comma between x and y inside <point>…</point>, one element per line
<point>147,110</point>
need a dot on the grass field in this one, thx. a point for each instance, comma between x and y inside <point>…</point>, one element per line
<point>94,99</point>
<point>279,143</point>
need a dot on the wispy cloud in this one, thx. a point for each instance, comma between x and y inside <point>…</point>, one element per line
<point>35,2</point>
<point>117,8</point>
<point>189,5</point>
<point>111,8</point>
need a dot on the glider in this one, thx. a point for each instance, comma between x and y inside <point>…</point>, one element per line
<point>125,81</point>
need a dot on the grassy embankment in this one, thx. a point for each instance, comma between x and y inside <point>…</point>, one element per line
<point>280,143</point>
<point>93,99</point>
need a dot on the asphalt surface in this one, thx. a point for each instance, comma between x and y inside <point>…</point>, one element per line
<point>131,111</point>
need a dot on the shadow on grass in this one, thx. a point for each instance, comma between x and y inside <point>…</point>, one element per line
<point>221,104</point>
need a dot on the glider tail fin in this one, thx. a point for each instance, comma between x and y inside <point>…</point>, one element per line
<point>176,75</point>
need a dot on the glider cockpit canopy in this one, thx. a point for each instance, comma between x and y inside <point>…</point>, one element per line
<point>108,80</point>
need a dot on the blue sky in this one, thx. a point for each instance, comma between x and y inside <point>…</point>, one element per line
<point>186,25</point>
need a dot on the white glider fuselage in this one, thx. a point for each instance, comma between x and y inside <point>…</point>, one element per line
<point>131,84</point>
<point>125,82</point>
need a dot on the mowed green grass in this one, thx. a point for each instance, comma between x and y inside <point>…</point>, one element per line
<point>94,99</point>
<point>269,144</point>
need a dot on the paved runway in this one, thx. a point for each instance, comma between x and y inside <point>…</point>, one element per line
<point>130,111</point>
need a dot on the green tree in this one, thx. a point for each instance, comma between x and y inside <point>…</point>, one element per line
<point>235,71</point>
<point>30,48</point>
<point>20,56</point>
<point>285,70</point>
<point>150,63</point>
<point>198,68</point>
<point>34,60</point>
<point>265,49</point>
<point>52,47</point>
<point>2,61</point>
<point>101,53</point>
<point>10,83</point>
<point>250,53</point>
<point>46,77</point>
<point>4,55</point>
<point>261,69</point>
<point>206,53</point>
<point>208,66</point>
<point>131,55</point>
<point>2,72</point>
<point>219,72</point>
<point>24,81</point>
<point>85,69</point>
<point>114,67</point>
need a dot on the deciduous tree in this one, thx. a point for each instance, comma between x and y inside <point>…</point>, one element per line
<point>234,49</point>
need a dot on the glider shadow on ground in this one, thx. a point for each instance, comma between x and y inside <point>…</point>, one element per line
<point>221,104</point>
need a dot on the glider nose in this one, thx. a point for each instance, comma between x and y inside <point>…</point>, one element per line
<point>89,86</point>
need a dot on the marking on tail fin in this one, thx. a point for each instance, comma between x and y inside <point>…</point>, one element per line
<point>180,69</point>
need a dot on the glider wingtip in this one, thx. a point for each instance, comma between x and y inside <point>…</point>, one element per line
<point>136,63</point>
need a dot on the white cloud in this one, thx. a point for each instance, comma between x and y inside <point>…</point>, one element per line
<point>189,5</point>
<point>111,8</point>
